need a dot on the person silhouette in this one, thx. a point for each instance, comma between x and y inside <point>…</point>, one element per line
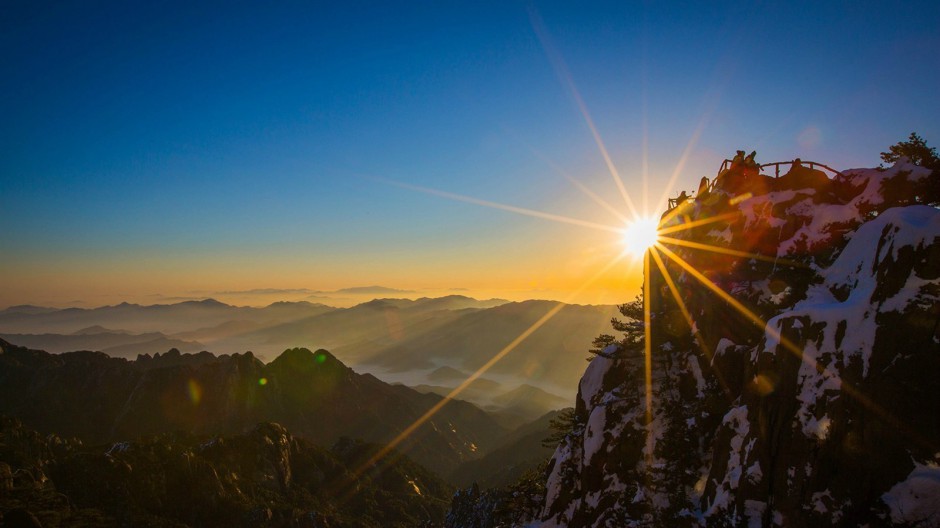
<point>703,186</point>
<point>749,160</point>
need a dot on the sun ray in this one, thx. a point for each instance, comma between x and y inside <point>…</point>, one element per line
<point>645,159</point>
<point>644,104</point>
<point>695,223</point>
<point>580,185</point>
<point>639,236</point>
<point>731,252</point>
<point>696,332</point>
<point>648,360</point>
<point>597,199</point>
<point>497,205</point>
<point>561,70</point>
<point>408,431</point>
<point>693,141</point>
<point>795,350</point>
<point>751,316</point>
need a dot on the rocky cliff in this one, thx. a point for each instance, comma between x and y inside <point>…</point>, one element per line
<point>793,365</point>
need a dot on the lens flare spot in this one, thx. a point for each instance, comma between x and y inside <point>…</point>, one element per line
<point>194,390</point>
<point>320,357</point>
<point>763,384</point>
<point>640,235</point>
<point>262,381</point>
<point>740,198</point>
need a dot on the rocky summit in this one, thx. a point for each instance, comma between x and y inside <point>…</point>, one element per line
<point>794,353</point>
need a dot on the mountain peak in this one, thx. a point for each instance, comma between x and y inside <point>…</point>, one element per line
<point>97,329</point>
<point>305,359</point>
<point>209,302</point>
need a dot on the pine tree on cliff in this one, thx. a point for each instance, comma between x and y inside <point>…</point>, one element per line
<point>632,328</point>
<point>915,149</point>
<point>900,191</point>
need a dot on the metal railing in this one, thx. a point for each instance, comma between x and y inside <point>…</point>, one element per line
<point>726,164</point>
<point>811,164</point>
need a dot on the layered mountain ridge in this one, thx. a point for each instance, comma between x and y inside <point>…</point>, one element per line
<point>400,340</point>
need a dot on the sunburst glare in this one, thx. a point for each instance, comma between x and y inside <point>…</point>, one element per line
<point>640,235</point>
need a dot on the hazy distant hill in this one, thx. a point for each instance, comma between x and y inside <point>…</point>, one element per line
<point>517,453</point>
<point>103,399</point>
<point>371,325</point>
<point>371,290</point>
<point>553,354</point>
<point>509,406</point>
<point>481,389</point>
<point>165,318</point>
<point>397,335</point>
<point>528,401</point>
<point>96,338</point>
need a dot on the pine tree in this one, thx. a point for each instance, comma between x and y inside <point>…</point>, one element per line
<point>632,328</point>
<point>914,149</point>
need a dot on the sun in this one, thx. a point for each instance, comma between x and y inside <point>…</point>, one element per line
<point>640,235</point>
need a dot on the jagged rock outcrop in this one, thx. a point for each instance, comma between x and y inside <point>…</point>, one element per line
<point>805,397</point>
<point>103,399</point>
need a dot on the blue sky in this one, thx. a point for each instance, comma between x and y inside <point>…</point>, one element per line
<point>160,147</point>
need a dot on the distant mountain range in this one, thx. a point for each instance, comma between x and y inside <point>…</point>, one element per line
<point>553,356</point>
<point>383,335</point>
<point>134,318</point>
<point>115,343</point>
<point>510,406</point>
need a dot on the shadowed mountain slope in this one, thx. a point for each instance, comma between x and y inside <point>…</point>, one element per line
<point>103,399</point>
<point>263,477</point>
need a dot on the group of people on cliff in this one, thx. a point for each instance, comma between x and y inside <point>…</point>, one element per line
<point>743,175</point>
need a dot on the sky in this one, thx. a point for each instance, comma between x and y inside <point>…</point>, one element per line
<point>152,151</point>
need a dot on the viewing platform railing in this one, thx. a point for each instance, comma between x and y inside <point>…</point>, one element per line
<point>726,164</point>
<point>811,164</point>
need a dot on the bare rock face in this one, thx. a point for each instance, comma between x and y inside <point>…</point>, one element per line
<point>795,353</point>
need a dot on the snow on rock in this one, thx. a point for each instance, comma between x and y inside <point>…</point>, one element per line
<point>915,501</point>
<point>593,380</point>
<point>737,422</point>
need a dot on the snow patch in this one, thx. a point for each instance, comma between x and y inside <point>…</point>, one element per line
<point>916,499</point>
<point>696,370</point>
<point>736,420</point>
<point>594,433</point>
<point>593,380</point>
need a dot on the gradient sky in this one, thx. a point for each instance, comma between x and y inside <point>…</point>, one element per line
<point>155,150</point>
